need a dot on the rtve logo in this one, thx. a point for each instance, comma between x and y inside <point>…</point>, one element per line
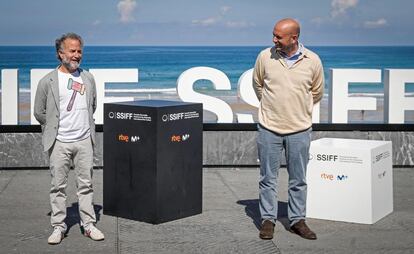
<point>331,177</point>
<point>326,157</point>
<point>126,138</point>
<point>123,138</point>
<point>179,138</point>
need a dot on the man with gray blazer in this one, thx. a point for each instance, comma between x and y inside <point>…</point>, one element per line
<point>64,105</point>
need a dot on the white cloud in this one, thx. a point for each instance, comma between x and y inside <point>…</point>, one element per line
<point>97,22</point>
<point>220,19</point>
<point>376,23</point>
<point>317,21</point>
<point>206,22</point>
<point>224,9</point>
<point>239,24</point>
<point>126,9</point>
<point>340,7</point>
<point>214,19</point>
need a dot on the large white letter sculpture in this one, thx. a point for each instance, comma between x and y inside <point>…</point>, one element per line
<point>340,102</point>
<point>9,97</point>
<point>220,82</point>
<point>103,76</point>
<point>247,94</point>
<point>35,76</point>
<point>395,102</point>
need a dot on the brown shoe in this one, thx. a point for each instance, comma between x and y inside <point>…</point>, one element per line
<point>303,230</point>
<point>267,230</point>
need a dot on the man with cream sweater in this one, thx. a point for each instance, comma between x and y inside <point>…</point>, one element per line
<point>288,80</point>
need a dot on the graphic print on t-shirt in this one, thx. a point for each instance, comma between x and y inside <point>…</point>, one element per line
<point>77,88</point>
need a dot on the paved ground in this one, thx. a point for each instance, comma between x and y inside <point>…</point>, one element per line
<point>228,223</point>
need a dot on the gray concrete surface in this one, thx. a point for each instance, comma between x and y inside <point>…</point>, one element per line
<point>228,148</point>
<point>228,223</point>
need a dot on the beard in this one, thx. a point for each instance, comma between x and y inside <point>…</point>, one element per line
<point>284,48</point>
<point>70,65</point>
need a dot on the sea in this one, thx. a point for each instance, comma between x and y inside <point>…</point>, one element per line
<point>159,67</point>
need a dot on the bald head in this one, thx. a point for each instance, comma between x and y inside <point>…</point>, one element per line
<point>286,36</point>
<point>288,26</point>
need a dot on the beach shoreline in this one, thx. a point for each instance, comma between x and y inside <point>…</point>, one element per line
<point>237,105</point>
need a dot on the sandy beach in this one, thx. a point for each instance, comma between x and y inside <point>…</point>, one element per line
<point>236,104</point>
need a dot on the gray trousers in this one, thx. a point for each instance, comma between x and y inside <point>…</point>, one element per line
<point>61,155</point>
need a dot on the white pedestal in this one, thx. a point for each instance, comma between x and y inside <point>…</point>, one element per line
<point>349,180</point>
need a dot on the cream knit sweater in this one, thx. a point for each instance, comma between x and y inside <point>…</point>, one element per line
<point>286,94</point>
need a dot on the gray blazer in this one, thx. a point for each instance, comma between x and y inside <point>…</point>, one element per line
<point>46,106</point>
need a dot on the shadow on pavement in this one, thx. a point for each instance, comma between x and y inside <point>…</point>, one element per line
<point>73,218</point>
<point>252,210</point>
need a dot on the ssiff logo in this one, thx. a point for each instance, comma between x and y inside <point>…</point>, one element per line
<point>179,138</point>
<point>380,156</point>
<point>172,117</point>
<point>120,115</point>
<point>326,157</point>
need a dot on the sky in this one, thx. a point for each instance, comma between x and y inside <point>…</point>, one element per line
<point>209,22</point>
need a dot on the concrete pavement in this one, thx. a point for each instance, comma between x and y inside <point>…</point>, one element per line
<point>229,222</point>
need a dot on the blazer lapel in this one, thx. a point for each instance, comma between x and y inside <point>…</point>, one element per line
<point>54,84</point>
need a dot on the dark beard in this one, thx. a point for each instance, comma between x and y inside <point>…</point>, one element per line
<point>285,50</point>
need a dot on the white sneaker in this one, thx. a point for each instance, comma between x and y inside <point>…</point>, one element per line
<point>56,236</point>
<point>92,232</point>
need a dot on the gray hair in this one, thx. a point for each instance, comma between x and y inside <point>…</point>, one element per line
<point>59,41</point>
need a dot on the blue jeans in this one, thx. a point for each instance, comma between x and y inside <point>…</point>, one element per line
<point>270,146</point>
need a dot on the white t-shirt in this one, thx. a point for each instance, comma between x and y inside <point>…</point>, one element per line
<point>74,117</point>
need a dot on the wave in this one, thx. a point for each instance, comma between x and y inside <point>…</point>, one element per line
<point>174,90</point>
<point>142,90</point>
<point>137,90</point>
<point>359,94</point>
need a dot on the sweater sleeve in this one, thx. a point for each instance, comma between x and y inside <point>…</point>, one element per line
<point>318,82</point>
<point>258,78</point>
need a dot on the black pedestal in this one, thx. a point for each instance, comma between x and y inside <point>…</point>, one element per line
<point>152,160</point>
